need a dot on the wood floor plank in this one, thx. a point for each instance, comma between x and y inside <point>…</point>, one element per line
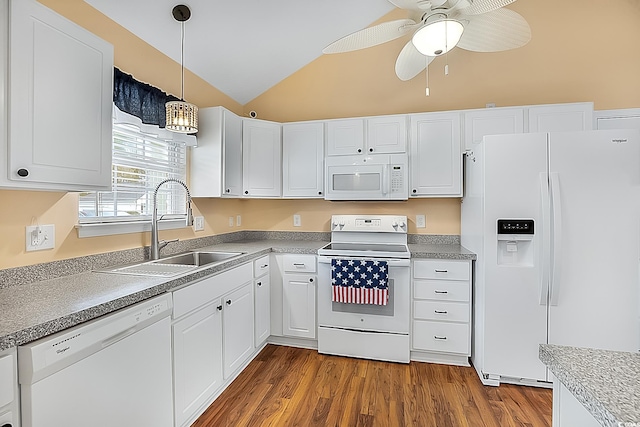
<point>291,387</point>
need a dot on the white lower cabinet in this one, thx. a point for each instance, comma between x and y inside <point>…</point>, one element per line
<point>262,295</point>
<point>299,296</point>
<point>9,405</point>
<point>237,329</point>
<point>441,325</point>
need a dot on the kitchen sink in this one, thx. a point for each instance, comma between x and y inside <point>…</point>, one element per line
<point>174,265</point>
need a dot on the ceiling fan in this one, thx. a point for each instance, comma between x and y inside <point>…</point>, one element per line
<point>437,26</point>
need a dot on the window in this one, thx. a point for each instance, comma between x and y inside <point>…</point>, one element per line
<point>143,156</point>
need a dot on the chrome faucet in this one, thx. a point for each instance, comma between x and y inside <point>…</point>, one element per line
<point>155,245</point>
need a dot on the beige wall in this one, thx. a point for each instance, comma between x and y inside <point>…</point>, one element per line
<point>580,51</point>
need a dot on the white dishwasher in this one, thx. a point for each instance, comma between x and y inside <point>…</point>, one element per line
<point>115,370</point>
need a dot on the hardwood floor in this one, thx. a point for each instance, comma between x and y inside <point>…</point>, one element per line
<point>285,386</point>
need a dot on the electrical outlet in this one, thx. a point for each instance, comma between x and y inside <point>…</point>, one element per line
<point>238,220</point>
<point>198,223</point>
<point>40,237</point>
<point>297,222</point>
<point>230,221</point>
<point>421,221</point>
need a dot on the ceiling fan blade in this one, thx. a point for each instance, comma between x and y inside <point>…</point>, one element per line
<point>502,29</point>
<point>410,62</point>
<point>417,5</point>
<point>372,36</point>
<point>484,6</point>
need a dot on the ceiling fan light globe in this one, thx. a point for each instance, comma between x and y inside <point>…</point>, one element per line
<point>437,37</point>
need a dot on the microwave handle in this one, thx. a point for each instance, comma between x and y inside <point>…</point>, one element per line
<point>385,179</point>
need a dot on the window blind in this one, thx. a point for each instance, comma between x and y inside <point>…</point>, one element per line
<point>141,160</point>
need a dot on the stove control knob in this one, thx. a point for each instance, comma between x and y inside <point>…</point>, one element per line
<point>394,224</point>
<point>402,224</point>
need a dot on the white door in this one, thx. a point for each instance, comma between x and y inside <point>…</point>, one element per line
<point>303,160</point>
<point>561,117</point>
<point>197,360</point>
<point>387,134</point>
<point>491,121</point>
<point>237,328</point>
<point>436,157</point>
<point>299,305</point>
<point>60,102</point>
<point>261,159</point>
<point>595,180</point>
<point>345,137</point>
<point>232,154</point>
<point>262,291</point>
<point>515,321</point>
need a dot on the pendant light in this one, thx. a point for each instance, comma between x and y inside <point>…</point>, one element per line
<point>182,116</point>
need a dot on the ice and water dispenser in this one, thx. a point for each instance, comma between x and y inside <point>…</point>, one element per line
<point>515,242</point>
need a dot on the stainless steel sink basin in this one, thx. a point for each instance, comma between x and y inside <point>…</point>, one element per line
<point>175,264</point>
<point>197,259</point>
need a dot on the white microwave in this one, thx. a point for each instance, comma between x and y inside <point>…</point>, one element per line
<point>367,177</point>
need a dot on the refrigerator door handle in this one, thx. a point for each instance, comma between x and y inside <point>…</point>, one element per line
<point>557,238</point>
<point>545,247</point>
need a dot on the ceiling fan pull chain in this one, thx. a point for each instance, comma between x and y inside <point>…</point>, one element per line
<point>446,52</point>
<point>426,92</point>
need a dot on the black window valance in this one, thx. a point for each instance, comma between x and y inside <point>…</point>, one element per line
<point>140,99</point>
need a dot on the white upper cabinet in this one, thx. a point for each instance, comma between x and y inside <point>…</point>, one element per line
<point>491,121</point>
<point>435,155</point>
<point>561,117</point>
<point>59,108</point>
<point>375,135</point>
<point>303,160</point>
<point>617,119</point>
<point>387,134</point>
<point>216,163</point>
<point>345,137</point>
<point>261,158</point>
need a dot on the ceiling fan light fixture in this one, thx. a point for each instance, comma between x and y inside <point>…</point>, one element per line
<point>181,116</point>
<point>437,37</point>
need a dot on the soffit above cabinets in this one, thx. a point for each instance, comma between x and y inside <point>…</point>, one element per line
<point>244,47</point>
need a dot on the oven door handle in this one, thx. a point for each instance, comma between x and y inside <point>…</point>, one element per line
<point>393,262</point>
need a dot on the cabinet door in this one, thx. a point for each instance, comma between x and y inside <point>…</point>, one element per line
<point>261,159</point>
<point>303,160</point>
<point>561,117</point>
<point>197,360</point>
<point>262,290</point>
<point>617,119</point>
<point>345,137</point>
<point>436,158</point>
<point>60,102</point>
<point>492,121</point>
<point>232,154</point>
<point>299,306</point>
<point>237,328</point>
<point>387,134</point>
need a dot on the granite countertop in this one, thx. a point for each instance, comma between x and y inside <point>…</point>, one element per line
<point>607,383</point>
<point>33,310</point>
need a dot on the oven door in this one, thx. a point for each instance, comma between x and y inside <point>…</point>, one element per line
<point>393,317</point>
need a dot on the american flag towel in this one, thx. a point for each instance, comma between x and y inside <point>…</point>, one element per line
<point>359,281</point>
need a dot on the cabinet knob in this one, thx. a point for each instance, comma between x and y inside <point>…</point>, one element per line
<point>320,193</point>
<point>246,192</point>
<point>228,302</point>
<point>228,190</point>
<point>259,283</point>
<point>311,280</point>
<point>414,191</point>
<point>371,150</point>
<point>359,150</point>
<point>6,425</point>
<point>22,172</point>
<point>219,308</point>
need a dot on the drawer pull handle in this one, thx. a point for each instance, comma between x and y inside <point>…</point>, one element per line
<point>440,312</point>
<point>259,283</point>
<point>298,264</point>
<point>442,271</point>
<point>440,338</point>
<point>228,302</point>
<point>264,266</point>
<point>441,292</point>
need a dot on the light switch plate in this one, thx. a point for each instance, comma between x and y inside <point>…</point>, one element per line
<point>421,221</point>
<point>297,222</point>
<point>230,221</point>
<point>40,237</point>
<point>238,220</point>
<point>198,223</point>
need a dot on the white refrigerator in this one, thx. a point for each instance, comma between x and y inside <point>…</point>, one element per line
<point>555,222</point>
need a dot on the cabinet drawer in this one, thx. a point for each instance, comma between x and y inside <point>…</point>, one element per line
<point>441,310</point>
<point>299,263</point>
<point>440,269</point>
<point>441,336</point>
<point>261,266</point>
<point>200,293</point>
<point>441,290</point>
<point>8,380</point>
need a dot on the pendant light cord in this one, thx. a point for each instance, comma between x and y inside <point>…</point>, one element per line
<point>182,62</point>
